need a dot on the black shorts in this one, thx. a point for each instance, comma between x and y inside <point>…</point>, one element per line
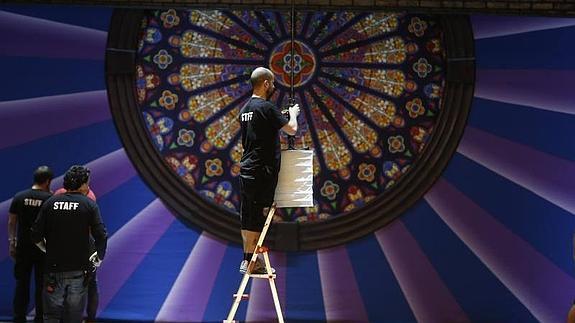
<point>257,193</point>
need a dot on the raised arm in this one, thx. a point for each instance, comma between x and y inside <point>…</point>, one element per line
<point>291,127</point>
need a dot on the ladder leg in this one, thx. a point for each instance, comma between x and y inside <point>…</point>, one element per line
<point>246,277</point>
<point>276,301</point>
<point>238,298</point>
<point>273,288</point>
<point>268,265</point>
<point>267,262</point>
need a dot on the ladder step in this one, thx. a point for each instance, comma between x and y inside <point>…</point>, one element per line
<point>264,276</point>
<point>244,296</point>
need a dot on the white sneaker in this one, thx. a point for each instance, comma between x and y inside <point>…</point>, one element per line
<point>243,267</point>
<point>260,268</point>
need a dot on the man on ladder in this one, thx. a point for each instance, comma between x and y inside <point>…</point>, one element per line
<point>260,124</point>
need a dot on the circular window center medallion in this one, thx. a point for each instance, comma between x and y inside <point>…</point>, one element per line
<point>303,63</point>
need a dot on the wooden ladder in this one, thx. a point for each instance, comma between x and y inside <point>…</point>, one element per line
<point>239,296</point>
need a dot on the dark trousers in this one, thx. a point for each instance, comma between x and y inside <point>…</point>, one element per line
<point>257,192</point>
<point>93,298</point>
<point>27,260</point>
<point>64,297</point>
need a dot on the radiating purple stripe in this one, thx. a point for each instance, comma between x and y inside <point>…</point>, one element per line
<point>428,297</point>
<point>546,175</point>
<point>543,89</point>
<point>341,296</point>
<point>50,115</point>
<point>497,26</point>
<point>261,306</point>
<point>35,37</point>
<point>108,172</point>
<point>128,247</point>
<point>542,287</point>
<point>191,292</point>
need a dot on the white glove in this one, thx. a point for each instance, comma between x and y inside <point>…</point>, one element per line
<point>95,260</point>
<point>42,245</point>
<point>294,110</point>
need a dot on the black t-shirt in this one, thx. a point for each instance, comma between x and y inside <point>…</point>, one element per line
<point>26,205</point>
<point>260,123</point>
<point>66,221</point>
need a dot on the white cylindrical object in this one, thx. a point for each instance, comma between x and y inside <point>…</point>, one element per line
<point>295,181</point>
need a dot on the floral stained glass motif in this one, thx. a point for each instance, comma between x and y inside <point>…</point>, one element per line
<point>370,88</point>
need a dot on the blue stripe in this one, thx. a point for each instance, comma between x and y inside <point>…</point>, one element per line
<point>7,285</point>
<point>226,285</point>
<point>147,288</point>
<point>552,49</point>
<point>122,204</point>
<point>31,77</point>
<point>479,293</point>
<point>304,297</point>
<point>60,151</point>
<point>85,16</point>
<point>545,226</point>
<point>546,131</point>
<point>374,277</point>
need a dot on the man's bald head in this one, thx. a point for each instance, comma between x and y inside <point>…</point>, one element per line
<point>259,75</point>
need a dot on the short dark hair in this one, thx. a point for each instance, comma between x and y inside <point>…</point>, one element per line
<point>75,177</point>
<point>42,174</point>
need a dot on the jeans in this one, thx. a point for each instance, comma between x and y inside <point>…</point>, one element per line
<point>64,297</point>
<point>93,298</point>
<point>27,259</point>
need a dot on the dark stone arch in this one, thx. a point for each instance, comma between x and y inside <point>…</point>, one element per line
<point>193,209</point>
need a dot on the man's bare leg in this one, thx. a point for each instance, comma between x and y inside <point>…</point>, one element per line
<point>250,241</point>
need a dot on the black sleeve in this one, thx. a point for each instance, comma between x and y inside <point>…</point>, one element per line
<point>15,205</point>
<point>39,227</point>
<point>277,120</point>
<point>98,231</point>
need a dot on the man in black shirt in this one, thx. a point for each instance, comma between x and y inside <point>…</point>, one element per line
<point>22,214</point>
<point>93,298</point>
<point>260,164</point>
<point>63,229</point>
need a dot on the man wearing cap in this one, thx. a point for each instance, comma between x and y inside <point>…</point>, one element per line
<point>23,211</point>
<point>62,230</point>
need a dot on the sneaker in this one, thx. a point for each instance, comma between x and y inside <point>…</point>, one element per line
<point>260,268</point>
<point>243,267</point>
